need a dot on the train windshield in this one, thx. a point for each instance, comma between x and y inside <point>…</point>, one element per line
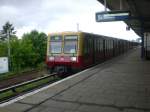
<point>55,44</point>
<point>70,44</point>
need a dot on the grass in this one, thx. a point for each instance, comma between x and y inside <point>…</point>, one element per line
<point>12,74</point>
<point>19,72</point>
<point>6,94</point>
<point>25,88</point>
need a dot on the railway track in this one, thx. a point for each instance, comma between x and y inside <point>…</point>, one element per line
<point>14,91</point>
<point>22,77</point>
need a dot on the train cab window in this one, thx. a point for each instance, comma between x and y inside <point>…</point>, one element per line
<point>55,44</point>
<point>70,44</point>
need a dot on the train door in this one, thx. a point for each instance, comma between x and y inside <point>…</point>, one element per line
<point>88,47</point>
<point>113,47</point>
<point>109,54</point>
<point>93,49</point>
<point>104,49</point>
<point>101,50</point>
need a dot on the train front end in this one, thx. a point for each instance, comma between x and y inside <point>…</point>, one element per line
<point>64,52</point>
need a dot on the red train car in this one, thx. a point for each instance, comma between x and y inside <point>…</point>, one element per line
<point>72,51</point>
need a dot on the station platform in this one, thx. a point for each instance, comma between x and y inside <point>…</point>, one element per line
<point>121,84</point>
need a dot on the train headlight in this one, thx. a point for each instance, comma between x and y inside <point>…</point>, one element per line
<point>73,58</point>
<point>51,58</point>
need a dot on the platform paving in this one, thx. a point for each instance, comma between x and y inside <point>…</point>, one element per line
<point>118,85</point>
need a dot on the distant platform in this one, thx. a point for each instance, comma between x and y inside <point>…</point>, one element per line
<point>118,85</point>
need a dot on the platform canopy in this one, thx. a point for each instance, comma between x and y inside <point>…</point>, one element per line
<point>140,13</point>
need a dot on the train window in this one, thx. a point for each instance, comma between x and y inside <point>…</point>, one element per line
<point>55,47</point>
<point>95,44</point>
<point>106,46</point>
<point>111,44</point>
<point>71,37</point>
<point>98,45</point>
<point>70,44</point>
<point>56,38</point>
<point>55,44</point>
<point>101,45</point>
<point>90,45</point>
<point>87,46</point>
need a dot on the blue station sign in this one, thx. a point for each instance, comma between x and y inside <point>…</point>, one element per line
<point>107,16</point>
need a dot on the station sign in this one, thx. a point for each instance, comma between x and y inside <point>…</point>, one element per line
<point>107,16</point>
<point>3,65</point>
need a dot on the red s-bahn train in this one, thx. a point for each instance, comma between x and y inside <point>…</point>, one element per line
<point>73,51</point>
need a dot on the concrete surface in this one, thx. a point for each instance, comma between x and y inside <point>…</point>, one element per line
<point>118,85</point>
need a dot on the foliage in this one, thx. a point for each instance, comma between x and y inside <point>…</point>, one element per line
<point>7,29</point>
<point>3,49</point>
<point>38,41</point>
<point>28,52</point>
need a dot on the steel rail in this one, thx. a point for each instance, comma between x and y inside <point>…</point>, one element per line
<point>13,88</point>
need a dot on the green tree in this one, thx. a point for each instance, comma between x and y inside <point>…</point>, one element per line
<point>39,44</point>
<point>23,55</point>
<point>7,29</point>
<point>3,48</point>
<point>28,52</point>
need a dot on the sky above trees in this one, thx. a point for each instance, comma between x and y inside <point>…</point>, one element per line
<point>59,15</point>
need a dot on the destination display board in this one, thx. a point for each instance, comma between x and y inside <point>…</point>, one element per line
<point>3,65</point>
<point>107,16</point>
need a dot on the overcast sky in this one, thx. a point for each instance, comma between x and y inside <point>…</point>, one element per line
<point>59,15</point>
